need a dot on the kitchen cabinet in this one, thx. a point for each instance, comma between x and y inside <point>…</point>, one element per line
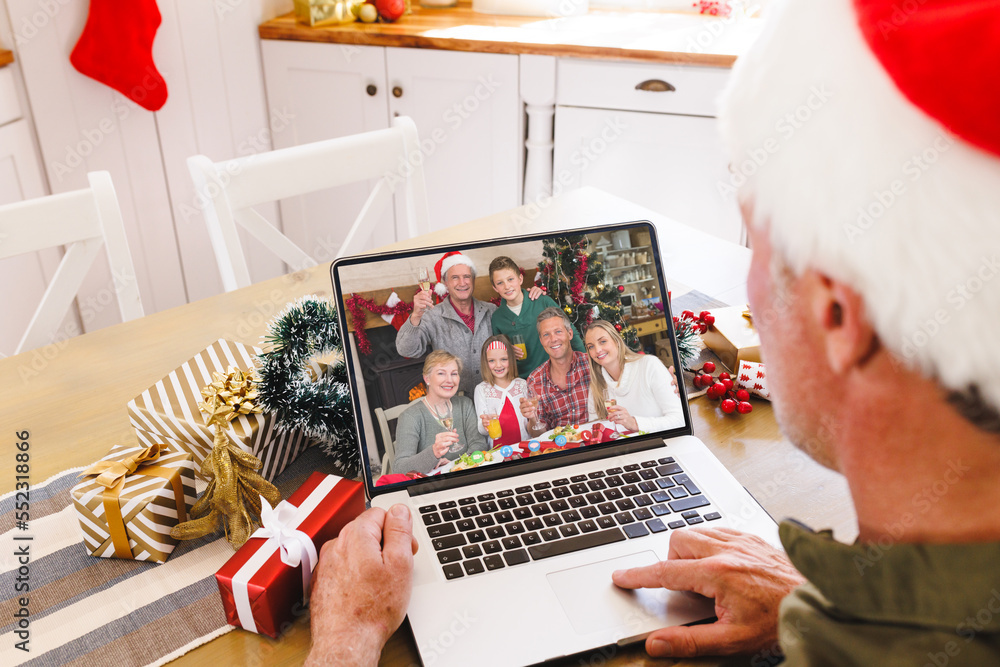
<point>465,105</point>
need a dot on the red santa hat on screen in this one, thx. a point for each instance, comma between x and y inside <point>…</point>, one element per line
<point>448,260</point>
<point>866,135</point>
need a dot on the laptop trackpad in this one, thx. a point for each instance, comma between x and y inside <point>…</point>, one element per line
<point>592,602</point>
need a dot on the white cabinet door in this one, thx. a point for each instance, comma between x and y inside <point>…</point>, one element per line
<point>326,91</point>
<point>672,164</point>
<point>468,114</point>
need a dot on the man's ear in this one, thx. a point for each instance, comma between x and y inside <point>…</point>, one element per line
<point>839,313</point>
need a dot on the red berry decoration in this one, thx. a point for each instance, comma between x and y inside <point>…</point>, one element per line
<point>744,408</point>
<point>703,314</point>
<point>727,383</point>
<point>743,395</point>
<point>719,390</point>
<point>687,315</point>
<point>728,406</point>
<point>709,367</point>
<point>725,376</point>
<point>709,319</point>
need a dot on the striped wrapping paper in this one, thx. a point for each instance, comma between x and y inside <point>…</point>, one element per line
<point>92,612</point>
<point>147,502</point>
<point>168,412</point>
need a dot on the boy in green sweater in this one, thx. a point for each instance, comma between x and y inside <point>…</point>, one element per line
<point>518,315</point>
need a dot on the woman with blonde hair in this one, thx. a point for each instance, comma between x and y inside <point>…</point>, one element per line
<point>441,426</point>
<point>633,390</point>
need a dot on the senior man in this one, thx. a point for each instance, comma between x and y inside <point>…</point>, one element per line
<point>876,235</point>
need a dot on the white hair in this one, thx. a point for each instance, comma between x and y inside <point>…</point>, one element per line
<point>858,183</point>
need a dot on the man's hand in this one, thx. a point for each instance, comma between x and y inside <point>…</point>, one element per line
<point>673,380</point>
<point>535,292</point>
<point>421,302</point>
<point>443,442</point>
<point>745,576</point>
<point>361,588</point>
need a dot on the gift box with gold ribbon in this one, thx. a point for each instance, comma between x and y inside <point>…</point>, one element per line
<point>130,499</point>
<point>266,582</point>
<point>168,412</point>
<point>732,336</point>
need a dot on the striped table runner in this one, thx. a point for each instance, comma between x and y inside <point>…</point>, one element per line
<point>107,611</point>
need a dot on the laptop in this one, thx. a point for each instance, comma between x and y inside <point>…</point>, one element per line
<point>516,548</point>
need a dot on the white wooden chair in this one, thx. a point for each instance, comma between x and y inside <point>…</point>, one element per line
<point>233,187</point>
<point>384,417</point>
<point>83,221</point>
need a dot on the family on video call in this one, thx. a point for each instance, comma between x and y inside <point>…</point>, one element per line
<point>507,374</point>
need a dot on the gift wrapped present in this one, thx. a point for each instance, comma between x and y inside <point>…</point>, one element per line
<point>732,336</point>
<point>264,583</point>
<point>168,412</point>
<point>131,499</point>
<point>753,377</point>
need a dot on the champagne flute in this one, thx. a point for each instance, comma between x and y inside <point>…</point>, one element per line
<point>446,418</point>
<point>424,278</point>
<point>608,404</point>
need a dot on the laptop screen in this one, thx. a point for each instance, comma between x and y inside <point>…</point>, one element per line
<point>495,353</point>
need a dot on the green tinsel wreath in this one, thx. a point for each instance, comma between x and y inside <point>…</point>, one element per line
<point>306,329</point>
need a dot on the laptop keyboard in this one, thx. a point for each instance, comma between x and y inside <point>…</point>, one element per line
<point>492,531</point>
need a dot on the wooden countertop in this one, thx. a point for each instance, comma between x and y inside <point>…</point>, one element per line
<point>664,37</point>
<point>6,57</point>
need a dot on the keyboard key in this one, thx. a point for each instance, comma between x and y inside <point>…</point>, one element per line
<point>562,492</point>
<point>506,493</point>
<point>655,526</point>
<point>550,534</point>
<point>595,498</point>
<point>493,547</point>
<point>516,557</point>
<point>552,520</point>
<point>522,513</point>
<point>678,492</point>
<point>448,504</point>
<point>588,526</point>
<point>530,538</point>
<point>596,474</point>
<point>648,464</point>
<point>534,524</point>
<point>669,469</point>
<point>607,508</point>
<point>507,503</point>
<point>688,503</point>
<point>625,504</point>
<point>450,556</point>
<point>472,551</point>
<point>559,505</point>
<point>465,524</point>
<point>578,478</point>
<point>636,530</point>
<point>515,528</point>
<point>522,489</point>
<point>605,522</point>
<point>642,514</point>
<point>493,562</point>
<point>665,483</point>
<point>632,477</point>
<point>643,501</point>
<point>648,487</point>
<point>661,496</point>
<point>689,513</point>
<point>631,467</point>
<point>572,516</point>
<point>473,566</point>
<point>431,519</point>
<point>484,521</point>
<point>426,509</point>
<point>489,507</point>
<point>660,510</point>
<point>470,511</point>
<point>562,481</point>
<point>588,512</point>
<point>578,488</point>
<point>541,509</point>
<point>569,530</point>
<point>448,542</point>
<point>467,501</point>
<point>687,484</point>
<point>647,474</point>
<point>453,571</point>
<point>614,480</point>
<point>596,485</point>
<point>543,485</point>
<point>571,544</point>
<point>543,496</point>
<point>666,460</point>
<point>511,543</point>
<point>630,490</point>
<point>441,529</point>
<point>577,501</point>
<point>495,532</point>
<point>614,471</point>
<point>450,515</point>
<point>503,517</point>
<point>613,494</point>
<point>525,499</point>
<point>624,517</point>
<point>695,519</point>
<point>712,516</point>
<point>476,535</point>
<point>485,496</point>
<point>676,524</point>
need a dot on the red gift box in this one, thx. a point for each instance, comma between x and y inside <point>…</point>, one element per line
<point>260,592</point>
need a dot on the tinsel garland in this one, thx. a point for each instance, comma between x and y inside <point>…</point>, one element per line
<point>306,329</point>
<point>689,342</point>
<point>357,305</point>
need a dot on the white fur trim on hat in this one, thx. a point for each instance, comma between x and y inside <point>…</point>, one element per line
<point>455,260</point>
<point>858,183</point>
<point>441,290</point>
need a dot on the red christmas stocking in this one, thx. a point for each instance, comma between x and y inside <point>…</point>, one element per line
<point>116,48</point>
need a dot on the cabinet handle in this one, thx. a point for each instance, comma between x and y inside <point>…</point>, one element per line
<point>371,89</point>
<point>655,86</point>
<point>397,91</point>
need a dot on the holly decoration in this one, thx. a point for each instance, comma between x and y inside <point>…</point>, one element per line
<point>573,277</point>
<point>721,388</point>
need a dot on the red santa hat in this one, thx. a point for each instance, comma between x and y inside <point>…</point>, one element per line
<point>864,133</point>
<point>448,260</point>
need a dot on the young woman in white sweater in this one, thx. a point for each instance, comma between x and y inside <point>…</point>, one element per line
<point>639,384</point>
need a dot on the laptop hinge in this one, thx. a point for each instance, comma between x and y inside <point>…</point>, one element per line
<point>548,462</point>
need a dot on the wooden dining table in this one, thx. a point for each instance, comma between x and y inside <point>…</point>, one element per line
<point>71,396</point>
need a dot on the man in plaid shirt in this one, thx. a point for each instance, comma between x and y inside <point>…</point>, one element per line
<point>561,384</point>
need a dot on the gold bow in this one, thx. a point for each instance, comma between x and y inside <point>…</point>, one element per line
<point>112,474</point>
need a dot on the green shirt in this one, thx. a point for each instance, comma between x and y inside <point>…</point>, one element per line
<point>526,324</point>
<point>921,605</point>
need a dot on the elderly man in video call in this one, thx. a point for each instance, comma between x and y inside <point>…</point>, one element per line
<point>877,301</point>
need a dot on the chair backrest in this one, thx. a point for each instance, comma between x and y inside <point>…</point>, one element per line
<point>384,416</point>
<point>83,221</point>
<point>232,188</point>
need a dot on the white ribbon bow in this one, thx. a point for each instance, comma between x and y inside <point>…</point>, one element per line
<point>294,546</point>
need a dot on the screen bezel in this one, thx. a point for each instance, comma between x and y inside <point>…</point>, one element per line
<point>510,468</point>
